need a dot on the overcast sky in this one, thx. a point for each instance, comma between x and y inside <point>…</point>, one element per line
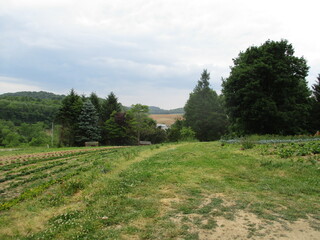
<point>146,51</point>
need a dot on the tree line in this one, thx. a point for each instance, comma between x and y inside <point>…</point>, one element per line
<point>265,93</point>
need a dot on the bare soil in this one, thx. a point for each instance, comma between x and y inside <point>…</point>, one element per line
<point>243,225</point>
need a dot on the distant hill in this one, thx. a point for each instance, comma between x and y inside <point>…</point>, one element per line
<point>157,110</point>
<point>32,107</point>
<point>29,107</point>
<point>39,95</point>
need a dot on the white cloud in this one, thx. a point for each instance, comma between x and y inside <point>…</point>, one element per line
<point>159,42</point>
<point>8,84</point>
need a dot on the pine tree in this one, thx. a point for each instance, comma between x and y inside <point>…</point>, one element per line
<point>315,113</point>
<point>203,111</point>
<point>68,117</point>
<point>316,90</point>
<point>88,128</point>
<point>96,102</point>
<point>110,105</point>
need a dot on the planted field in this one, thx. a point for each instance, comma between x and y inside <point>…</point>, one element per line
<point>174,191</point>
<point>167,119</point>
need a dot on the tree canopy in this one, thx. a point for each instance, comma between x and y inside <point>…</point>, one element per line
<point>266,92</point>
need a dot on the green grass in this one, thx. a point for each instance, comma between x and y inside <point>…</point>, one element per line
<point>171,191</point>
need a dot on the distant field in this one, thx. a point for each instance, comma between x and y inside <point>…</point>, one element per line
<point>167,119</point>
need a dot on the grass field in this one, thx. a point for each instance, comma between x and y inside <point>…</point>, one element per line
<point>170,191</point>
<point>167,119</point>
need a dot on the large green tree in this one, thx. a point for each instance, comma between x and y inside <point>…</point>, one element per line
<point>203,111</point>
<point>266,92</point>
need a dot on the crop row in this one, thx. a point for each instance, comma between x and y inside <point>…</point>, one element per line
<point>293,149</point>
<point>32,180</point>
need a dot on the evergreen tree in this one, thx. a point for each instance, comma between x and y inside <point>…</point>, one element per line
<point>118,129</point>
<point>110,105</point>
<point>88,128</point>
<point>68,117</point>
<point>266,92</point>
<point>203,111</point>
<point>315,113</point>
<point>316,90</point>
<point>96,102</point>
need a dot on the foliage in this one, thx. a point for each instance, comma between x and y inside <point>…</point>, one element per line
<point>315,112</point>
<point>34,95</point>
<point>94,99</point>
<point>204,112</point>
<point>88,129</point>
<point>24,135</point>
<point>297,149</point>
<point>316,89</point>
<point>68,118</point>
<point>187,134</point>
<point>118,129</point>
<point>266,92</point>
<point>19,109</point>
<point>180,132</point>
<point>110,105</point>
<point>246,143</point>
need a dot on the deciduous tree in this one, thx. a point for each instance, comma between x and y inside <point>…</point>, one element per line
<point>266,92</point>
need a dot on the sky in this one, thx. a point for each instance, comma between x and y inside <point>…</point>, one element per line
<point>148,52</point>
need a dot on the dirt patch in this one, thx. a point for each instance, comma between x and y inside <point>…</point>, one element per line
<point>224,221</point>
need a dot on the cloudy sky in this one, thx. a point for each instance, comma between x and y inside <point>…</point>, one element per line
<point>149,52</point>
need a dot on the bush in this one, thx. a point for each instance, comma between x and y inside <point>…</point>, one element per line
<point>247,143</point>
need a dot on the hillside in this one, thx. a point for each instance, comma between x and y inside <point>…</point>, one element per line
<point>172,191</point>
<point>29,107</point>
<point>38,95</point>
<point>157,110</point>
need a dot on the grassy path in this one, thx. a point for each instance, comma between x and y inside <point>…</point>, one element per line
<point>176,191</point>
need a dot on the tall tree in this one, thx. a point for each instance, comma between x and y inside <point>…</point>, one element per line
<point>203,111</point>
<point>68,117</point>
<point>266,92</point>
<point>96,102</point>
<point>111,104</point>
<point>316,90</point>
<point>315,113</point>
<point>88,124</point>
<point>140,119</point>
<point>118,129</point>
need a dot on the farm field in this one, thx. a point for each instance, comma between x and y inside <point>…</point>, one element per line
<point>167,119</point>
<point>171,191</point>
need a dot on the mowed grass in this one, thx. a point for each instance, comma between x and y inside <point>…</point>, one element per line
<point>170,191</point>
